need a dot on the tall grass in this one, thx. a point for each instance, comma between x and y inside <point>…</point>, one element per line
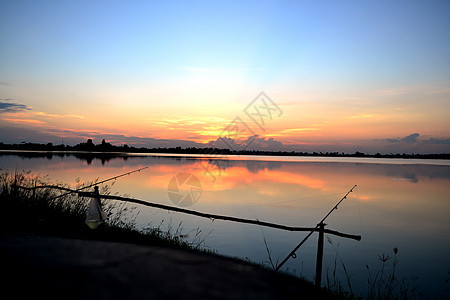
<point>382,282</point>
<point>49,211</point>
<point>332,283</point>
<point>386,285</point>
<point>33,211</point>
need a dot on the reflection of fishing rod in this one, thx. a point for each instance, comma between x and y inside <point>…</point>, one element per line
<point>292,254</point>
<point>100,182</point>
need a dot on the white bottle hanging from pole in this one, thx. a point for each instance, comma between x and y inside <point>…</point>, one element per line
<point>95,214</point>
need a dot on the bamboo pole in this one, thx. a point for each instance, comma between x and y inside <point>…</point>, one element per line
<point>221,217</point>
<point>200,214</point>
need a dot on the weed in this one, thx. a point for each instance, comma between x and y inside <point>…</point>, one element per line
<point>273,264</point>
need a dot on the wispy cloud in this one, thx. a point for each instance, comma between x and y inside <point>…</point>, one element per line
<point>291,132</point>
<point>25,121</point>
<point>364,116</point>
<point>10,107</point>
<point>428,89</point>
<point>190,120</point>
<point>57,116</point>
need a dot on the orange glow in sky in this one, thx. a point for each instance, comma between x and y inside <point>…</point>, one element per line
<point>340,77</point>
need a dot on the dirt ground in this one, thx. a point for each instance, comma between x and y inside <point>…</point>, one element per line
<point>80,269</point>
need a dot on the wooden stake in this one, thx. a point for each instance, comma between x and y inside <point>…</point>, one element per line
<point>319,255</point>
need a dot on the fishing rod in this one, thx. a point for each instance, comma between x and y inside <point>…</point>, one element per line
<point>292,254</point>
<point>97,183</point>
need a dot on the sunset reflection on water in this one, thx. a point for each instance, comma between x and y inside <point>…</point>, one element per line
<point>394,205</point>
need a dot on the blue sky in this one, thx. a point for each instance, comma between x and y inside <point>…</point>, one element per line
<point>340,40</point>
<point>68,57</point>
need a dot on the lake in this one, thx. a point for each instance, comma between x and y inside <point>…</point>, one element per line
<point>397,203</point>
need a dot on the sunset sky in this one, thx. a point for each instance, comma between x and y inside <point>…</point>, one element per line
<point>372,76</point>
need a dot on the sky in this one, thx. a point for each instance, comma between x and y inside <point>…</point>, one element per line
<point>370,76</point>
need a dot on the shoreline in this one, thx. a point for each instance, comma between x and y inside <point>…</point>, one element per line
<point>233,157</point>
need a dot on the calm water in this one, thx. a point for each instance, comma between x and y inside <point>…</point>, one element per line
<point>398,203</point>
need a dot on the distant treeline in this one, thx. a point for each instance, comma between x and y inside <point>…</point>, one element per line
<point>104,146</point>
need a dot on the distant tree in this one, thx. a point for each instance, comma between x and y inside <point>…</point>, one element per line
<point>88,146</point>
<point>359,154</point>
<point>104,146</point>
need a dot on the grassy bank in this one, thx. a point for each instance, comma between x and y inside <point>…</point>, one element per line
<point>54,212</point>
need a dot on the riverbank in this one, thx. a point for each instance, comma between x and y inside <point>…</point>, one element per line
<point>47,250</point>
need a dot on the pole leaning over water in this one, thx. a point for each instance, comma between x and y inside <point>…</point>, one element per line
<point>292,253</point>
<point>96,183</point>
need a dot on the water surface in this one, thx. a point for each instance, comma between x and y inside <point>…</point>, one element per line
<point>397,203</point>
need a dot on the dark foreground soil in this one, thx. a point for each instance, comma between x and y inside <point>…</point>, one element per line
<point>61,268</point>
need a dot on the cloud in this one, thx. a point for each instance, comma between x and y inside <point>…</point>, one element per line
<point>364,116</point>
<point>265,144</point>
<point>24,121</point>
<point>250,143</point>
<point>12,135</point>
<point>55,116</point>
<point>413,143</point>
<point>15,134</point>
<point>412,138</point>
<point>294,131</point>
<point>8,107</point>
<point>146,141</point>
<point>426,89</point>
<point>437,141</point>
